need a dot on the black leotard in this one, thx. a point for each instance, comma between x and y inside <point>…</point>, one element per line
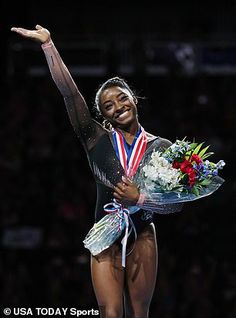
<point>97,140</point>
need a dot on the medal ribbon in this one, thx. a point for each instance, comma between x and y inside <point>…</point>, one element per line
<point>130,157</point>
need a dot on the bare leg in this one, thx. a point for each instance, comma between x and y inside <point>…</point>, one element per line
<point>141,272</point>
<point>108,282</point>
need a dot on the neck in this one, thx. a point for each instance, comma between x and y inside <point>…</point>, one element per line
<point>130,132</point>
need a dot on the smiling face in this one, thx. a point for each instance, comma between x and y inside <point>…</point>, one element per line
<point>118,106</point>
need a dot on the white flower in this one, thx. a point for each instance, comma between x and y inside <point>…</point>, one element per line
<point>160,173</point>
<point>220,164</point>
<point>150,172</point>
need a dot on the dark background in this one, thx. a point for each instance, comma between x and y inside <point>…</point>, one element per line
<point>182,58</point>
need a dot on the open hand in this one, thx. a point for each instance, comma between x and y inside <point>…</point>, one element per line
<point>40,34</point>
<point>126,192</point>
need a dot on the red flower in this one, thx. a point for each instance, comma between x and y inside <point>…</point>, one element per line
<point>186,166</point>
<point>196,158</point>
<point>192,178</point>
<point>176,164</point>
<point>189,169</point>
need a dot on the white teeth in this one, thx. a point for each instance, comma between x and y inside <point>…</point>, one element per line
<point>122,115</point>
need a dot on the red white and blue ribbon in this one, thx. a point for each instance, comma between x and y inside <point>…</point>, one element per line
<point>130,156</point>
<point>125,220</point>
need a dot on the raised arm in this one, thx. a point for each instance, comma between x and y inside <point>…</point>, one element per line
<point>76,106</point>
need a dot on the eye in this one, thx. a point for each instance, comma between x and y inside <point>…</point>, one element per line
<point>124,97</point>
<point>108,106</point>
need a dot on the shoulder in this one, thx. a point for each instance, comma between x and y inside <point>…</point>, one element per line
<point>150,137</point>
<point>100,126</point>
<point>162,143</point>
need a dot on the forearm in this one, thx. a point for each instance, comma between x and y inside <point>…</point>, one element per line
<point>59,71</point>
<point>151,204</point>
<point>76,106</point>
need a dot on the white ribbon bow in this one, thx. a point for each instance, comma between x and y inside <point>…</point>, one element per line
<point>124,214</point>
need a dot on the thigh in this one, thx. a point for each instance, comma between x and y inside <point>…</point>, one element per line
<point>108,281</point>
<point>141,272</point>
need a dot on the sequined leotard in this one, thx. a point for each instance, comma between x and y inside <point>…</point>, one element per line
<point>96,140</point>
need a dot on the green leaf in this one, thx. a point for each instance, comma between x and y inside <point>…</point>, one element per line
<point>205,182</point>
<point>193,145</point>
<point>202,152</point>
<point>208,154</point>
<point>195,190</point>
<point>188,155</point>
<point>197,149</point>
<point>184,177</point>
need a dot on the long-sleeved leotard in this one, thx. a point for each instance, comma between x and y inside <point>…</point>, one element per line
<point>97,141</point>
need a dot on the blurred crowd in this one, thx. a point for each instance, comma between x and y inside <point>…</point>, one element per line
<point>48,196</point>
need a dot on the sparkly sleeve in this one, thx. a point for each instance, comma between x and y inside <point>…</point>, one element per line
<point>151,203</point>
<point>76,106</point>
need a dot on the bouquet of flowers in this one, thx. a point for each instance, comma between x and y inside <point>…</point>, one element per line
<point>166,178</point>
<point>179,173</point>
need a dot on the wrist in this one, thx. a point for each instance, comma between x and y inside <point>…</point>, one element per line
<point>47,43</point>
<point>141,199</point>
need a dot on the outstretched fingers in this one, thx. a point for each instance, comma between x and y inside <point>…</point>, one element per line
<point>20,31</point>
<point>38,34</point>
